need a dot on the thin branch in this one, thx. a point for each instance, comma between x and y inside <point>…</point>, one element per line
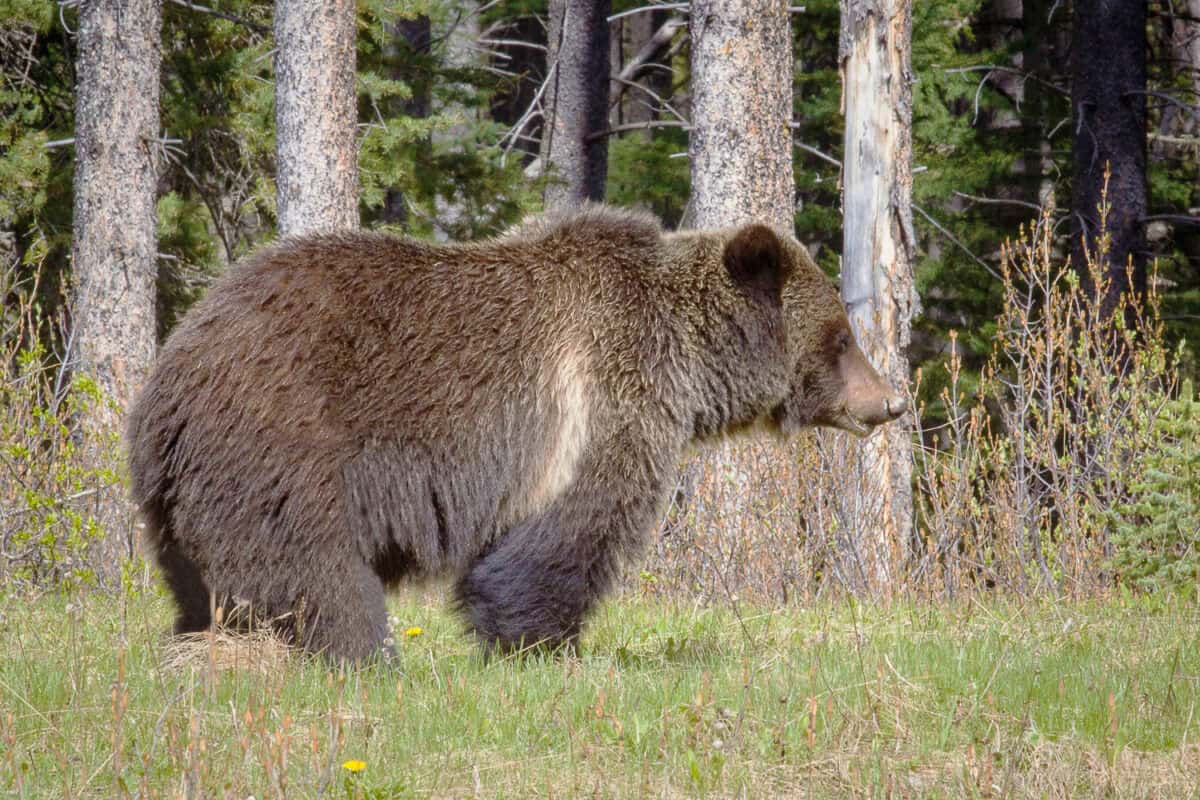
<point>941,229</point>
<point>638,126</point>
<point>660,39</point>
<point>532,112</point>
<point>1189,141</point>
<point>1177,219</point>
<point>998,201</point>
<point>1170,99</point>
<point>795,126</point>
<point>656,97</point>
<point>651,7</point>
<point>808,148</point>
<point>59,143</point>
<point>254,26</point>
<point>1029,76</point>
<point>541,48</point>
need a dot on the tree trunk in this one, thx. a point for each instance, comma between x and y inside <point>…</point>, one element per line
<point>740,149</point>
<point>877,260</point>
<point>574,151</point>
<point>741,142</point>
<point>1108,100</point>
<point>114,251</point>
<point>315,116</point>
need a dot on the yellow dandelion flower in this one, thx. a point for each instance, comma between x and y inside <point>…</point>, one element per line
<point>354,765</point>
<point>413,631</point>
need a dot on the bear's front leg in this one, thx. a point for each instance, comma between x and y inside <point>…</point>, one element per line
<point>537,583</point>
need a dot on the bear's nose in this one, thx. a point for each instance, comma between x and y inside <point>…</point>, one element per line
<point>897,404</point>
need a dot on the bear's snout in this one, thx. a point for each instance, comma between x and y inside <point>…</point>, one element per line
<point>868,399</point>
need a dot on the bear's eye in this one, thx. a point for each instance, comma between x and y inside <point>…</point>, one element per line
<point>843,342</point>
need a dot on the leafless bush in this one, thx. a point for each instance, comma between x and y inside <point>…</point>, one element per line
<point>1016,489</point>
<point>1013,492</point>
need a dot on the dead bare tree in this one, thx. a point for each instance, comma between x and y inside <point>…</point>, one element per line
<point>877,264</point>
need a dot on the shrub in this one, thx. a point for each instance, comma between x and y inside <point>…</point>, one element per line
<point>1157,540</point>
<point>53,471</point>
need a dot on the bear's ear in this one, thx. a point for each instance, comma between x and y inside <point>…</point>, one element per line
<point>756,260</point>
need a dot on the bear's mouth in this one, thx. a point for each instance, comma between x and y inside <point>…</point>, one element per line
<point>844,420</point>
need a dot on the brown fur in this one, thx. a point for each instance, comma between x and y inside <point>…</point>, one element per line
<point>347,411</point>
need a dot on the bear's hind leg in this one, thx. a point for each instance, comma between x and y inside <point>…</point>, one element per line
<point>187,585</point>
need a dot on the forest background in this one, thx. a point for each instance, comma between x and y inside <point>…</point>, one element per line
<point>1024,622</point>
<point>1022,478</point>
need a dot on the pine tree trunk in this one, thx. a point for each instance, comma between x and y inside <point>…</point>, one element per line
<point>740,148</point>
<point>315,116</point>
<point>114,252</point>
<point>574,154</point>
<point>1108,100</point>
<point>741,141</point>
<point>877,261</point>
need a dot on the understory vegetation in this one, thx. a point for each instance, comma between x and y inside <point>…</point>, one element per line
<point>1038,636</point>
<point>1040,699</point>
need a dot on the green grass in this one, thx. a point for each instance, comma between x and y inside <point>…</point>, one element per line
<point>982,700</point>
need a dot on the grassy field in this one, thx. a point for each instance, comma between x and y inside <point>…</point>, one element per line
<point>999,700</point>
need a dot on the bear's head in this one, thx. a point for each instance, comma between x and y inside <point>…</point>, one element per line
<point>830,382</point>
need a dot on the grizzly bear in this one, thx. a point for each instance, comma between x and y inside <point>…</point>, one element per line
<point>345,411</point>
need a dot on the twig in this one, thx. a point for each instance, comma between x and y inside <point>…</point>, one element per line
<point>646,53</point>
<point>657,98</point>
<point>638,126</point>
<point>1029,76</point>
<point>1170,99</point>
<point>1178,219</point>
<point>808,148</point>
<point>541,48</point>
<point>941,229</point>
<point>254,26</point>
<point>998,201</point>
<point>651,7</point>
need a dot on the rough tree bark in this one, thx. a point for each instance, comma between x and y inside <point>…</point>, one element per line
<point>1108,100</point>
<point>741,144</point>
<point>315,116</point>
<point>114,252</point>
<point>740,149</point>
<point>576,102</point>
<point>877,260</point>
